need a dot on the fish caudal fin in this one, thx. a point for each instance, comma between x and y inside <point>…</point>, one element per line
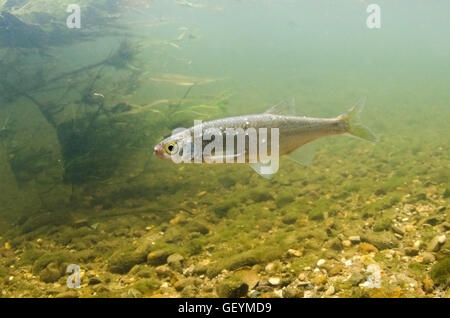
<point>354,126</point>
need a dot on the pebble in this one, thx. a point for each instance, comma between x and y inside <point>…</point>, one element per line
<point>436,243</point>
<point>355,239</point>
<point>411,251</point>
<point>321,262</point>
<point>330,291</point>
<point>295,253</point>
<point>428,258</point>
<point>68,294</point>
<point>274,281</point>
<point>346,243</point>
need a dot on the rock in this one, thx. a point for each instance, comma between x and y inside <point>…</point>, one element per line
<point>67,294</point>
<point>446,226</point>
<point>354,239</point>
<point>335,244</point>
<point>320,262</point>
<point>367,248</point>
<point>122,262</point>
<point>428,258</point>
<point>249,277</point>
<point>94,281</point>
<point>397,230</point>
<point>289,219</point>
<point>319,279</point>
<point>436,243</point>
<point>292,292</point>
<point>163,271</point>
<point>346,243</point>
<point>195,226</point>
<point>159,257</point>
<point>80,223</point>
<point>50,274</point>
<point>184,282</point>
<point>232,287</point>
<point>189,292</point>
<point>440,272</point>
<point>330,291</point>
<point>356,278</point>
<point>381,240</point>
<point>295,253</point>
<point>434,220</point>
<point>274,281</point>
<point>175,261</point>
<point>411,251</point>
<point>428,285</point>
<point>272,267</point>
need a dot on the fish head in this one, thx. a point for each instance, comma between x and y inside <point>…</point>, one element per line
<point>171,148</point>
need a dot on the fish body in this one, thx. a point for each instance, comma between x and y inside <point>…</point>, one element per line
<point>280,134</point>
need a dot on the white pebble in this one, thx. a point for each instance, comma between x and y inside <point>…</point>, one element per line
<point>320,262</point>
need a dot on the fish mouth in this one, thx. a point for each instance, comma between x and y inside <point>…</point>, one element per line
<point>158,151</point>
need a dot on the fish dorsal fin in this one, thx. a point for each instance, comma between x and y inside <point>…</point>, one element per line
<point>284,108</point>
<point>304,155</point>
<point>263,170</point>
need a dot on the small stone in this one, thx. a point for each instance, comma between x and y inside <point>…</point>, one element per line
<point>320,262</point>
<point>330,291</point>
<point>274,281</point>
<point>80,223</point>
<point>428,258</point>
<point>319,280</point>
<point>346,243</point>
<point>302,276</point>
<point>68,294</point>
<point>157,257</point>
<point>367,248</point>
<point>292,292</point>
<point>175,260</point>
<point>428,285</point>
<point>356,278</point>
<point>50,274</point>
<point>436,243</point>
<point>335,244</point>
<point>232,287</point>
<point>354,239</point>
<point>94,281</point>
<point>411,251</point>
<point>397,230</point>
<point>295,253</point>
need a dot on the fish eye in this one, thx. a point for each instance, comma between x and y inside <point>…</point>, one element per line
<point>171,147</point>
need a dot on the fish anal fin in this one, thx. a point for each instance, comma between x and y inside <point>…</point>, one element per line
<point>305,154</point>
<point>263,170</point>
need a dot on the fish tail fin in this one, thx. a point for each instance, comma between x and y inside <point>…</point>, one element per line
<point>353,123</point>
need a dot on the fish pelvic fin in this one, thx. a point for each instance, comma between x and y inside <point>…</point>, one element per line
<point>353,123</point>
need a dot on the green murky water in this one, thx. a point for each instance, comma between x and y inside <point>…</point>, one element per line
<point>81,109</point>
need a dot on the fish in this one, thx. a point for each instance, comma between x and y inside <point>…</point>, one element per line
<point>295,133</point>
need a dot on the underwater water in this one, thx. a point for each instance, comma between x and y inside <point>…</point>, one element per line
<point>81,110</point>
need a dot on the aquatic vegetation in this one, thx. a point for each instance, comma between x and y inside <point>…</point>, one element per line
<point>440,272</point>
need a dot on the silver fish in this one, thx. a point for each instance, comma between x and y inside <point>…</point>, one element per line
<point>294,133</point>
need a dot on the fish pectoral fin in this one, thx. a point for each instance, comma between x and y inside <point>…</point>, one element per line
<point>304,155</point>
<point>284,108</point>
<point>264,170</point>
